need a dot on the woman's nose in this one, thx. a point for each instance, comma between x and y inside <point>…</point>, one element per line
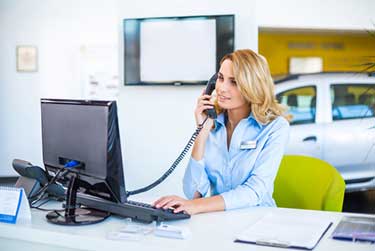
<point>223,86</point>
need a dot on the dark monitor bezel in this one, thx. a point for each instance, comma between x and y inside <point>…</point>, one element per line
<point>225,39</point>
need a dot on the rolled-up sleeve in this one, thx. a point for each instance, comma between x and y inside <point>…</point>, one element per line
<point>261,180</point>
<point>195,179</point>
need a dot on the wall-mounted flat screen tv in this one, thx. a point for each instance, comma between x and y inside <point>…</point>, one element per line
<point>175,50</point>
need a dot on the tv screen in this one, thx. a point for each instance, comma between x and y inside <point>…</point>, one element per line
<point>175,50</point>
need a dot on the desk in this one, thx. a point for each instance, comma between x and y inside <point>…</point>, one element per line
<point>211,231</point>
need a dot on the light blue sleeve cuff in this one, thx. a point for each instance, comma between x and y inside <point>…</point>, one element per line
<point>228,198</point>
<point>195,179</point>
<point>240,197</point>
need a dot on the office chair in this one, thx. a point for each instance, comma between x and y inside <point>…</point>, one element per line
<point>308,183</point>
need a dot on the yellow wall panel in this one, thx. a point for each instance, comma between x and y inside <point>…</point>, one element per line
<point>340,52</point>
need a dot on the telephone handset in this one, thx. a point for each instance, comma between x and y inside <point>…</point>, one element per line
<point>209,89</point>
<point>34,180</point>
<point>211,113</point>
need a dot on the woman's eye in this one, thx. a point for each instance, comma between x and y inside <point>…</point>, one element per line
<point>233,82</point>
<point>220,77</point>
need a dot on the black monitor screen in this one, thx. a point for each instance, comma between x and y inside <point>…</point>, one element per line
<point>86,132</point>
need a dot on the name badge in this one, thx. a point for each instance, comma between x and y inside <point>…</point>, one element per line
<point>250,144</point>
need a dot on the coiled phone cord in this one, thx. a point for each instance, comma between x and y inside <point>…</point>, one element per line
<point>174,165</point>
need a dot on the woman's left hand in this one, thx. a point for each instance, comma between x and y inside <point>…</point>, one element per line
<point>177,203</point>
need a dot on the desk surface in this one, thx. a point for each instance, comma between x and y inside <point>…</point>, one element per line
<point>211,231</point>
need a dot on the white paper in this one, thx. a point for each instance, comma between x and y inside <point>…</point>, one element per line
<point>9,198</point>
<point>99,71</point>
<point>286,229</point>
<point>24,213</point>
<point>177,50</point>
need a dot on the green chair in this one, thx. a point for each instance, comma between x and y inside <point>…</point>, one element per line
<point>308,183</point>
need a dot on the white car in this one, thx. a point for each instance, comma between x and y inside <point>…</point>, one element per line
<point>333,119</point>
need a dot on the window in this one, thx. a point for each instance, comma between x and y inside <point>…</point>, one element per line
<point>351,101</point>
<point>301,104</point>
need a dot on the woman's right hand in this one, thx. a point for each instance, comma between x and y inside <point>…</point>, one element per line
<point>203,103</point>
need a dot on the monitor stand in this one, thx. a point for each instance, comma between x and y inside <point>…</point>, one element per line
<point>75,216</point>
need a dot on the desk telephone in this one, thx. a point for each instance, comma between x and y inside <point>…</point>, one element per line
<point>211,84</point>
<point>35,180</point>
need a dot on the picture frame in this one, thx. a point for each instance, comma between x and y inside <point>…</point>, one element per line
<point>27,58</point>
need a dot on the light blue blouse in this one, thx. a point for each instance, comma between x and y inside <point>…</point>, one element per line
<point>244,174</point>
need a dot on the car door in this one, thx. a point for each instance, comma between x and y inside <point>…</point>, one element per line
<point>305,134</point>
<point>350,136</point>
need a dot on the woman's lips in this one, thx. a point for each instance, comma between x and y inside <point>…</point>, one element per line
<point>222,98</point>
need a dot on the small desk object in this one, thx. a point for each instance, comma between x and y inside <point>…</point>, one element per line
<point>14,207</point>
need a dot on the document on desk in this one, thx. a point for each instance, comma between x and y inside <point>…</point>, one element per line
<point>286,230</point>
<point>14,206</point>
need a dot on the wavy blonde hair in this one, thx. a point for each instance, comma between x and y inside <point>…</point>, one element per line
<point>255,83</point>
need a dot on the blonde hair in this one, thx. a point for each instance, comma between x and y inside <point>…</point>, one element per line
<point>255,83</point>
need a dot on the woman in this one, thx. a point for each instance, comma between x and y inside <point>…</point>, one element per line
<point>237,154</point>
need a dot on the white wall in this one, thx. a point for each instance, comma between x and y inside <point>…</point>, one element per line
<point>58,29</point>
<point>158,130</point>
<point>155,122</point>
<point>317,14</point>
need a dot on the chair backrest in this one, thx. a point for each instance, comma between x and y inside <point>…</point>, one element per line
<point>308,183</point>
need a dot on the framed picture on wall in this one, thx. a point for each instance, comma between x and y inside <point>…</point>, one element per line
<point>27,58</point>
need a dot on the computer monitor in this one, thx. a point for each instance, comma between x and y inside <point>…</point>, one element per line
<point>85,133</point>
<point>81,149</point>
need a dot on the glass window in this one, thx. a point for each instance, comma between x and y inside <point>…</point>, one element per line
<point>351,101</point>
<point>301,104</point>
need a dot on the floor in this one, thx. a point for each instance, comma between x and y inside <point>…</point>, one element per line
<point>355,202</point>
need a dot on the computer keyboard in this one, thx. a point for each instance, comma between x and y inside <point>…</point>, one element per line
<point>166,214</point>
<point>138,211</point>
<point>140,204</point>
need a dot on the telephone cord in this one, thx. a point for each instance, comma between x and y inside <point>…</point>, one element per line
<point>174,165</point>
